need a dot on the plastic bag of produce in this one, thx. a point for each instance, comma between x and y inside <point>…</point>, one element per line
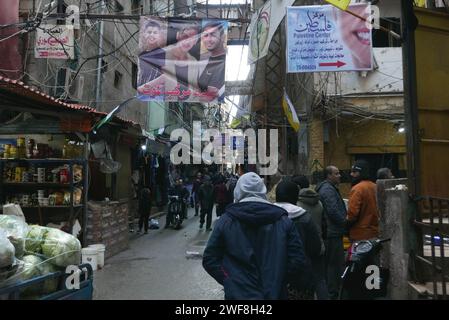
<point>62,249</point>
<point>7,251</point>
<point>16,230</point>
<point>35,238</point>
<point>35,266</point>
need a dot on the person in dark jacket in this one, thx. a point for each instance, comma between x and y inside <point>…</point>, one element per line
<point>195,190</point>
<point>221,197</point>
<point>286,197</point>
<point>255,248</point>
<point>144,209</point>
<point>335,223</point>
<point>206,196</point>
<point>309,200</point>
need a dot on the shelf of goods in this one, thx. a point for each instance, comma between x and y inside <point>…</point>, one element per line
<point>45,185</point>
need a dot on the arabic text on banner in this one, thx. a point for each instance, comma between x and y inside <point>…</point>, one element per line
<point>181,60</point>
<point>54,42</point>
<point>324,38</point>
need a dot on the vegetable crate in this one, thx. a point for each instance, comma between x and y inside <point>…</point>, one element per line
<point>84,292</point>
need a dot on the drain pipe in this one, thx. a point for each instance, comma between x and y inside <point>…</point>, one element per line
<point>99,64</point>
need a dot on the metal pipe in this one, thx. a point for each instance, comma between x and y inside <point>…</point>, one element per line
<point>99,62</point>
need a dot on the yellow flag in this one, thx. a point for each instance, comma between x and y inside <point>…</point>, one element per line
<point>290,112</point>
<point>341,4</point>
<point>420,3</point>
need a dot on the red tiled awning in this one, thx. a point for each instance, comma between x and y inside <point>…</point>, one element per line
<point>22,90</point>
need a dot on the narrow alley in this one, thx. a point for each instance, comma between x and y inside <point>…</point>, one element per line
<point>161,265</point>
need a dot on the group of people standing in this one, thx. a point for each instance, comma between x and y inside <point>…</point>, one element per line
<point>292,248</point>
<point>208,191</point>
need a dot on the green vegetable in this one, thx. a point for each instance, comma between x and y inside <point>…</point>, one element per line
<point>35,266</point>
<point>61,248</point>
<point>35,238</point>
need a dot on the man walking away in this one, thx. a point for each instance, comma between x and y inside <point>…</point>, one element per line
<point>221,197</point>
<point>309,200</point>
<point>206,196</point>
<point>363,214</point>
<point>195,190</point>
<point>286,197</point>
<point>254,248</point>
<point>334,214</point>
<point>144,209</point>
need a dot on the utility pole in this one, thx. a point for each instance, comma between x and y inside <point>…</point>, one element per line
<point>409,24</point>
<point>99,61</point>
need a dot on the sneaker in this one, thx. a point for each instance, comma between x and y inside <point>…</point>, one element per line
<point>209,229</point>
<point>201,226</point>
<point>139,231</point>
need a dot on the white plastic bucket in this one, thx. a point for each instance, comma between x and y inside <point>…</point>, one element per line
<point>89,255</point>
<point>101,248</point>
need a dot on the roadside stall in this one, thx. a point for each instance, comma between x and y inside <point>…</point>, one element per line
<point>45,175</point>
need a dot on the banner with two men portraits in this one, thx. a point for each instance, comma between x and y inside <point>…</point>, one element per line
<point>182,60</point>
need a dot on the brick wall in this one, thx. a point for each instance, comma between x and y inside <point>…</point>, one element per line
<point>107,223</point>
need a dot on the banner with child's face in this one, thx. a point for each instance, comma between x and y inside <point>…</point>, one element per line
<point>182,60</point>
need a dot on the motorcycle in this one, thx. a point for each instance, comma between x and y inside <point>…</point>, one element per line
<point>363,279</point>
<point>175,211</point>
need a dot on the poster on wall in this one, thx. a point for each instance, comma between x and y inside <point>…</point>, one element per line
<point>54,42</point>
<point>182,60</point>
<point>326,39</point>
<point>264,23</point>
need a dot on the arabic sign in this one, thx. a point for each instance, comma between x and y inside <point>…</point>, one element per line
<point>54,42</point>
<point>264,24</point>
<point>182,60</point>
<point>324,38</point>
<point>341,4</point>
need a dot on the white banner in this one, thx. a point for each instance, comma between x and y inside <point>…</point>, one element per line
<point>54,42</point>
<point>264,24</point>
<point>324,38</point>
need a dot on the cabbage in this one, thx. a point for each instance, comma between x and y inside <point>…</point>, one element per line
<point>61,248</point>
<point>35,238</point>
<point>16,230</point>
<point>35,267</point>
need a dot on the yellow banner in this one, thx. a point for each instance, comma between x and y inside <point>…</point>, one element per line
<point>290,112</point>
<point>341,4</point>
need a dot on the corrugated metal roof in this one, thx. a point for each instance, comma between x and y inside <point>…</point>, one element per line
<point>20,88</point>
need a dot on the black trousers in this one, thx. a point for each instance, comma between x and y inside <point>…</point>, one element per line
<point>335,260</point>
<point>220,209</point>
<point>208,212</point>
<point>143,220</point>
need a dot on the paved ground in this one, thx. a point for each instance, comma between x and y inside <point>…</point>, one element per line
<point>162,265</point>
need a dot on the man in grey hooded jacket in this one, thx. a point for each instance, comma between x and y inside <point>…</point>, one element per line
<point>254,248</point>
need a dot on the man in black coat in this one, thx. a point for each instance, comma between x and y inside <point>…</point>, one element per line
<point>255,248</point>
<point>206,195</point>
<point>335,225</point>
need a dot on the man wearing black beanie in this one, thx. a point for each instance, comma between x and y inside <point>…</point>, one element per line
<point>363,215</point>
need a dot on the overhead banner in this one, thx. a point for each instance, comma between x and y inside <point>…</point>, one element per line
<point>182,60</point>
<point>325,38</point>
<point>54,42</point>
<point>264,24</point>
